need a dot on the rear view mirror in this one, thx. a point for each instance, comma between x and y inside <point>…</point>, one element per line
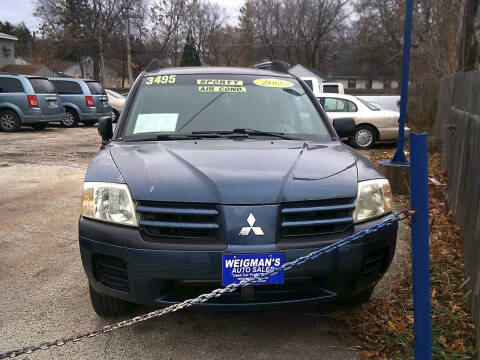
<point>105,129</point>
<point>345,127</point>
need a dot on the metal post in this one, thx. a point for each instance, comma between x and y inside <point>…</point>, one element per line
<point>420,246</point>
<point>399,157</point>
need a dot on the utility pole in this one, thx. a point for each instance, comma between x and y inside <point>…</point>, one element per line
<point>129,55</point>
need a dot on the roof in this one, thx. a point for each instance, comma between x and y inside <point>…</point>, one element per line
<point>30,69</point>
<point>354,63</point>
<point>58,65</point>
<point>314,71</point>
<point>68,78</point>
<point>8,37</point>
<point>220,71</point>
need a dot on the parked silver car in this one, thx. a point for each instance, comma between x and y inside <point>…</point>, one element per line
<point>84,101</point>
<point>27,100</point>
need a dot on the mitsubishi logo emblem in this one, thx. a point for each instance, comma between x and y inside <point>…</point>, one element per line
<point>257,230</point>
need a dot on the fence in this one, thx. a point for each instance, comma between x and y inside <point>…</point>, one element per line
<point>458,124</point>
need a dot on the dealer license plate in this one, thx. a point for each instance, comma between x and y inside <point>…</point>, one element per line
<point>236,267</point>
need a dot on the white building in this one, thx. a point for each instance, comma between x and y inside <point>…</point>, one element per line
<point>7,49</point>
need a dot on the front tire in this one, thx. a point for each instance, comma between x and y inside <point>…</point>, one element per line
<point>70,119</point>
<point>364,138</point>
<point>107,306</point>
<point>9,121</point>
<point>359,298</point>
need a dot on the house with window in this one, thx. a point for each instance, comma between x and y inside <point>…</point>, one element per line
<point>361,72</point>
<point>7,49</point>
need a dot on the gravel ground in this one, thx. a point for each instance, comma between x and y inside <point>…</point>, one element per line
<point>44,292</point>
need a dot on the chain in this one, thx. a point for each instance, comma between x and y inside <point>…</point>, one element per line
<point>205,297</point>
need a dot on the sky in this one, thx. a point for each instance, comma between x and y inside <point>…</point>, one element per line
<point>16,11</point>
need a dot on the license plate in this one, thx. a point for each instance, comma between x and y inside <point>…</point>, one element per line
<point>236,267</point>
<point>52,103</point>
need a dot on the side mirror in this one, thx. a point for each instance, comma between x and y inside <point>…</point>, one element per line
<point>345,127</point>
<point>105,129</point>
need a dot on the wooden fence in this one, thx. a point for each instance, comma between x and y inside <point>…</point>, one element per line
<point>458,125</point>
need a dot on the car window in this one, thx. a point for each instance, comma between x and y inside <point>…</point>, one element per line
<point>309,83</point>
<point>333,89</point>
<point>42,86</point>
<point>95,88</point>
<point>338,105</point>
<point>351,106</point>
<point>10,85</point>
<point>67,87</point>
<point>203,102</point>
<point>330,104</point>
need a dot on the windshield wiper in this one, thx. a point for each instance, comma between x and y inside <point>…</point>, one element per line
<point>185,136</point>
<point>246,132</point>
<point>161,137</point>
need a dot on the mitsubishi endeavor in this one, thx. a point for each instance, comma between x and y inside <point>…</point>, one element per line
<point>214,174</point>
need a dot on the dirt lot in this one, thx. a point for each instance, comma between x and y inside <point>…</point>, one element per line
<point>44,293</point>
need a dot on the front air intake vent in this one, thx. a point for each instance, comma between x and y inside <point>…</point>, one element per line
<point>178,220</point>
<point>317,218</point>
<point>111,271</point>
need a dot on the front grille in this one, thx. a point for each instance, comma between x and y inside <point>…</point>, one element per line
<point>317,218</point>
<point>178,220</point>
<point>111,272</point>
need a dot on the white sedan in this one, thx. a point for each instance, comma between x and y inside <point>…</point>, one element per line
<point>373,124</point>
<point>116,101</point>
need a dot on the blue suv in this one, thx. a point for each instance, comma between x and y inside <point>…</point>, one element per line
<point>28,100</point>
<point>216,174</point>
<point>84,100</point>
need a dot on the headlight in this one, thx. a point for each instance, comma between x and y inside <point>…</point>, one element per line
<point>374,198</point>
<point>108,202</point>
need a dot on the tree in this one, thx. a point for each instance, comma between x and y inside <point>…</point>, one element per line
<point>190,55</point>
<point>87,24</point>
<point>298,31</point>
<point>468,33</point>
<point>378,33</point>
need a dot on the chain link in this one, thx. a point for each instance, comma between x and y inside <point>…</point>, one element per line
<point>204,297</point>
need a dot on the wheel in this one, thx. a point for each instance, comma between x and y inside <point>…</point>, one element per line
<point>89,122</point>
<point>106,305</point>
<point>9,121</point>
<point>70,119</point>
<point>40,126</point>
<point>359,298</point>
<point>364,137</point>
<point>115,116</point>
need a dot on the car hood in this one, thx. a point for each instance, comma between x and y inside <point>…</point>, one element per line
<point>236,172</point>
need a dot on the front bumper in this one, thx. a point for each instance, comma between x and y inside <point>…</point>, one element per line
<point>161,277</point>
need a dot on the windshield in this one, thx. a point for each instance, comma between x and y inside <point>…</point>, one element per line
<point>42,86</point>
<point>369,105</point>
<point>182,104</point>
<point>95,88</point>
